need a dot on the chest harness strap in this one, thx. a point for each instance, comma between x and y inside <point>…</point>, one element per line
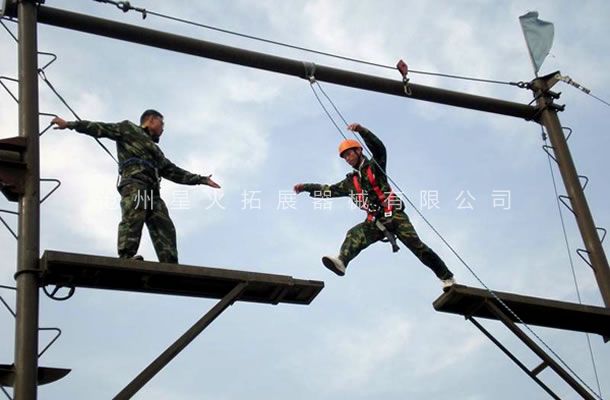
<point>386,201</point>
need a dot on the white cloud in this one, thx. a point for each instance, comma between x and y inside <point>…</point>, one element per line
<point>359,354</point>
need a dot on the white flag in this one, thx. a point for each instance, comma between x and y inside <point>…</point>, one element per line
<point>538,37</point>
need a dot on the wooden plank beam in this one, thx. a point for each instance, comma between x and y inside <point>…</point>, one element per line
<point>468,301</point>
<point>97,272</point>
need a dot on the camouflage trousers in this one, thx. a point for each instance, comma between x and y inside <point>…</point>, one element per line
<point>140,206</point>
<point>366,233</point>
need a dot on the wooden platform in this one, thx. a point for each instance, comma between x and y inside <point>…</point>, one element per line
<point>469,301</point>
<point>79,270</point>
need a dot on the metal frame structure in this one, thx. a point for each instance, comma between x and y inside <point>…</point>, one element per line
<point>29,13</point>
<point>475,303</point>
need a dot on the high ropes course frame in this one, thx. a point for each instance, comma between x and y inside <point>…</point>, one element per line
<point>20,181</point>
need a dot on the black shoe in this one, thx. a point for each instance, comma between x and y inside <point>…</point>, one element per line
<point>137,258</point>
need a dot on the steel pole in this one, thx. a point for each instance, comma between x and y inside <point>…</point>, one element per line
<point>26,325</point>
<point>234,55</point>
<point>573,186</point>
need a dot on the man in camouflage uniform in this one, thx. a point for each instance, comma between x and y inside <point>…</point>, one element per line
<point>368,187</point>
<point>142,164</point>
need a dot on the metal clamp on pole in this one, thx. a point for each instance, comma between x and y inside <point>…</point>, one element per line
<point>310,71</point>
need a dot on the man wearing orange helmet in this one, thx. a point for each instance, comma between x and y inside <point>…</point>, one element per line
<point>368,187</point>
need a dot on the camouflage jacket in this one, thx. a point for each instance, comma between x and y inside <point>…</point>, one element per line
<point>346,186</point>
<point>141,161</point>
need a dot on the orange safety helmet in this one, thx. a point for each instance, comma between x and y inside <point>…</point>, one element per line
<point>349,144</point>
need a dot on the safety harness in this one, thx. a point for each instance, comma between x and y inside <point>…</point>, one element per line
<point>386,201</point>
<point>139,161</point>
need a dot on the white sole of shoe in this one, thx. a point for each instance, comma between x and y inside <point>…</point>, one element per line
<point>328,263</point>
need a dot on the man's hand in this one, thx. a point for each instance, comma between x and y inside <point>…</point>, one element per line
<point>355,127</point>
<point>59,123</point>
<point>298,188</point>
<point>207,180</point>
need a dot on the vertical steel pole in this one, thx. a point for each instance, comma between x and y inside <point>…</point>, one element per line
<point>26,326</point>
<point>584,219</point>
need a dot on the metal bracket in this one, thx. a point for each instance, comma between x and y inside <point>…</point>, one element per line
<point>557,107</point>
<point>563,198</point>
<point>6,5</point>
<point>546,148</point>
<point>580,253</point>
<point>586,179</point>
<point>532,374</point>
<point>604,232</point>
<point>53,294</point>
<point>547,361</point>
<point>172,351</point>
<point>58,184</point>
<point>12,167</point>
<point>6,223</point>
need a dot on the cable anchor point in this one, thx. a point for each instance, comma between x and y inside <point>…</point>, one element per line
<point>125,6</point>
<point>521,84</point>
<point>310,71</point>
<point>403,68</point>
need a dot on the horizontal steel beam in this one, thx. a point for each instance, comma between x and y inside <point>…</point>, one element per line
<point>196,47</point>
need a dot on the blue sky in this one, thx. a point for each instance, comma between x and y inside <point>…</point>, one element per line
<point>372,334</point>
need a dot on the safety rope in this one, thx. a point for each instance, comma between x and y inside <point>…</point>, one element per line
<point>126,6</point>
<point>569,252</point>
<point>60,97</point>
<point>41,73</point>
<point>452,249</point>
<point>578,86</point>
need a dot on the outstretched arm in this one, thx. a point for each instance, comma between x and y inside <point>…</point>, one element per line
<point>111,131</point>
<point>340,189</point>
<point>176,174</point>
<point>374,144</point>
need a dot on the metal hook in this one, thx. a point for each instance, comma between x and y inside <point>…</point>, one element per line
<point>407,88</point>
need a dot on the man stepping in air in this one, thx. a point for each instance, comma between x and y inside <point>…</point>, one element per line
<point>142,164</point>
<point>368,187</point>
